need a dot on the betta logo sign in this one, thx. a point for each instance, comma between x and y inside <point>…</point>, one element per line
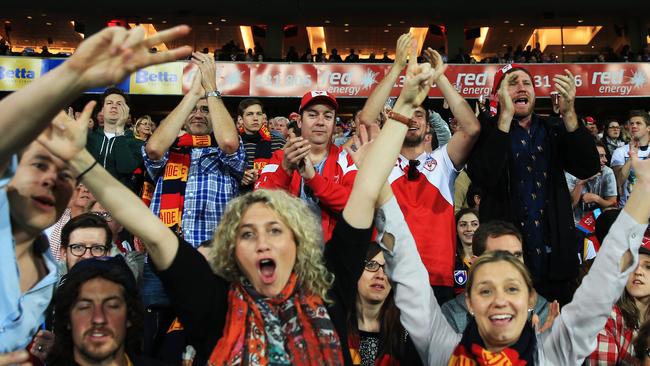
<point>144,76</point>
<point>18,73</point>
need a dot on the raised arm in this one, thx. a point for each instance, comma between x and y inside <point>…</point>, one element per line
<point>223,125</point>
<point>66,139</point>
<point>105,58</point>
<point>376,163</point>
<point>574,335</point>
<point>461,143</point>
<point>377,99</point>
<point>165,135</point>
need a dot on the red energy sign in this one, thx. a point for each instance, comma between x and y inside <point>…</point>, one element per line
<point>358,80</point>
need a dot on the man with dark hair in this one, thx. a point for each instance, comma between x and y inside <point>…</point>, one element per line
<point>114,146</point>
<point>519,163</point>
<point>83,237</point>
<point>500,232</point>
<point>639,124</point>
<point>98,315</point>
<point>259,142</point>
<point>311,166</point>
<point>598,191</point>
<point>489,237</point>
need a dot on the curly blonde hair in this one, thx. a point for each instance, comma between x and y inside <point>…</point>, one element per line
<point>138,122</point>
<point>307,233</point>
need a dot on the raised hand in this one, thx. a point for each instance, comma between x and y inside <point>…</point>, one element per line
<point>295,150</point>
<point>361,142</point>
<point>436,62</point>
<point>566,86</point>
<point>418,81</point>
<point>553,312</point>
<point>208,70</point>
<point>112,54</point>
<point>65,136</point>
<point>306,168</point>
<point>402,49</point>
<point>197,89</point>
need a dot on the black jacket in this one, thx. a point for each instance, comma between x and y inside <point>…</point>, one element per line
<point>489,167</point>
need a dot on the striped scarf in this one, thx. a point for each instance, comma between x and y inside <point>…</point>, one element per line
<point>471,350</point>
<point>292,328</point>
<point>174,177</point>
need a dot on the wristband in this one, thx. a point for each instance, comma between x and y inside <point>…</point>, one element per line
<point>86,171</point>
<point>215,93</point>
<point>400,118</point>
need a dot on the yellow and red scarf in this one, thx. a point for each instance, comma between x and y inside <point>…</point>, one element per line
<point>174,180</point>
<point>471,350</point>
<point>292,328</point>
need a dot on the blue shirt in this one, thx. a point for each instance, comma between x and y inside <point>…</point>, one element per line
<point>212,181</point>
<point>20,314</point>
<point>530,165</point>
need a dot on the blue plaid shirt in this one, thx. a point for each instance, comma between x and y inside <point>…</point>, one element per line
<point>213,180</point>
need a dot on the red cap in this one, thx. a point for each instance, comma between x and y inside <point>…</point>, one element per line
<point>498,77</point>
<point>294,116</point>
<point>317,96</point>
<point>590,119</point>
<point>645,244</point>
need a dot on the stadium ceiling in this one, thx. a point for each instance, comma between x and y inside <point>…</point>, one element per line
<point>357,12</point>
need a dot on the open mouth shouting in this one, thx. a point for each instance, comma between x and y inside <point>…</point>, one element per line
<point>266,268</point>
<point>44,202</point>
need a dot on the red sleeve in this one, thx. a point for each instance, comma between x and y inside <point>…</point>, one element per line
<point>273,176</point>
<point>333,195</point>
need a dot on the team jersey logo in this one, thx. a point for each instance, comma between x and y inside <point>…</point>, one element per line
<point>460,277</point>
<point>430,164</point>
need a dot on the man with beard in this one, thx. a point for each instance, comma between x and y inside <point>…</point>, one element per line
<point>98,316</point>
<point>519,163</point>
<point>423,183</point>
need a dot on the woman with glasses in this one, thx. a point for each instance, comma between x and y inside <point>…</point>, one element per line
<point>612,137</point>
<point>143,128</point>
<point>268,295</point>
<point>376,336</point>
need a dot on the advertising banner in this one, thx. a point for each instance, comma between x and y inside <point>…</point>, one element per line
<point>17,72</point>
<point>343,79</point>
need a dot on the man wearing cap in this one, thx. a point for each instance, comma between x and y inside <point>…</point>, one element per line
<point>311,166</point>
<point>519,163</point>
<point>98,316</point>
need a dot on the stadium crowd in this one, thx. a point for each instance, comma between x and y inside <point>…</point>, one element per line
<point>465,236</point>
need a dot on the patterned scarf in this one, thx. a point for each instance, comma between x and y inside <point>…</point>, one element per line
<point>172,196</point>
<point>292,328</point>
<point>471,350</point>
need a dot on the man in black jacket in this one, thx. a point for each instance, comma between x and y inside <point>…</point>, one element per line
<point>519,162</point>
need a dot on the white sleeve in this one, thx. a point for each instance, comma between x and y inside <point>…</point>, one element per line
<point>574,333</point>
<point>618,157</point>
<point>421,316</point>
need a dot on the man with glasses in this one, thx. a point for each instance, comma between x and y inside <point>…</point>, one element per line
<point>85,236</point>
<point>196,173</point>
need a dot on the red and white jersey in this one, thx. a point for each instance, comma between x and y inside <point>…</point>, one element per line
<point>427,201</point>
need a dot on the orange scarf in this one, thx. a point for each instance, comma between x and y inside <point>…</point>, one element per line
<point>292,328</point>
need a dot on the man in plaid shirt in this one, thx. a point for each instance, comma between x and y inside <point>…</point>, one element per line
<point>210,180</point>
